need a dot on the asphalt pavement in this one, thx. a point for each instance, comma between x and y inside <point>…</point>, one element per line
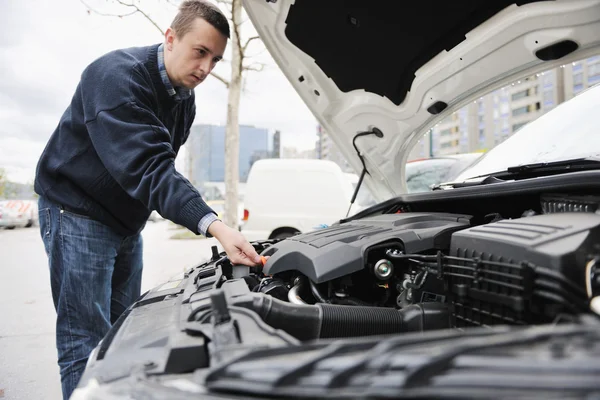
<point>28,368</point>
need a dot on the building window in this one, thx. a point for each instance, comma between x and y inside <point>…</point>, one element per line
<point>593,59</point>
<point>594,73</point>
<point>520,95</point>
<point>446,132</point>
<point>515,127</point>
<point>520,111</point>
<point>548,98</point>
<point>578,66</point>
<point>548,79</point>
<point>578,79</point>
<point>577,88</point>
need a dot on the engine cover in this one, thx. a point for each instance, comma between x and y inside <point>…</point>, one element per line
<point>340,250</point>
<point>521,271</point>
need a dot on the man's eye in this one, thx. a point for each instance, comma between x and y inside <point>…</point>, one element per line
<point>201,52</point>
<point>216,60</point>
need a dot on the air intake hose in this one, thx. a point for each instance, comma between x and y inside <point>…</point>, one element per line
<point>306,322</point>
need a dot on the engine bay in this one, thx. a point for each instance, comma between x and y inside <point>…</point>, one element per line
<point>412,278</point>
<point>414,271</point>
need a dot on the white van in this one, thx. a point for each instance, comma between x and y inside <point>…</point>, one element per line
<point>289,196</point>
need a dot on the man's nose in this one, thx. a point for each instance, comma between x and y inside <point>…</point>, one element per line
<point>205,66</point>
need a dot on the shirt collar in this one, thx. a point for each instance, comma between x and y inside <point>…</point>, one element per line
<point>177,92</point>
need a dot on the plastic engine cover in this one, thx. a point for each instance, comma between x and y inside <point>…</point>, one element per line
<point>340,250</point>
<point>523,269</point>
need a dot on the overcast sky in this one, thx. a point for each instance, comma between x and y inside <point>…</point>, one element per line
<point>46,45</point>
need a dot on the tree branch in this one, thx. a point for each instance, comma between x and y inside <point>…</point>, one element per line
<point>220,78</point>
<point>258,67</point>
<point>247,43</point>
<point>143,13</point>
<point>137,10</point>
<point>90,9</point>
<point>237,34</point>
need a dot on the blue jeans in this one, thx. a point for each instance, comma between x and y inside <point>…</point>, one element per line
<point>95,275</point>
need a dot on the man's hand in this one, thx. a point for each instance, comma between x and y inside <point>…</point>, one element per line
<point>238,249</point>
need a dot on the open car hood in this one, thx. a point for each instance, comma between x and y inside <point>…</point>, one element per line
<point>401,67</point>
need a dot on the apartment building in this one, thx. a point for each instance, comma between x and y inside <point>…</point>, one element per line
<point>493,118</point>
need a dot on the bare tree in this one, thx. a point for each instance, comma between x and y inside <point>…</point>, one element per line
<point>239,54</point>
<point>3,182</point>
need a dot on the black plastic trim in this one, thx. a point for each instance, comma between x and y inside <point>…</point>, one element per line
<point>587,180</point>
<point>557,50</point>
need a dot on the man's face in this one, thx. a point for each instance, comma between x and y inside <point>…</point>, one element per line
<point>189,59</point>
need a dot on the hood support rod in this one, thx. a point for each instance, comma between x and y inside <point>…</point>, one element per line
<point>374,131</point>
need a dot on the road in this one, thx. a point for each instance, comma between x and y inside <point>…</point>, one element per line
<point>28,368</point>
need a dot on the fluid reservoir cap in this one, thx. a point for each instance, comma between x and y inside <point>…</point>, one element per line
<point>383,269</point>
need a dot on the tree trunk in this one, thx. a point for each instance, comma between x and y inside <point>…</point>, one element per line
<point>232,130</point>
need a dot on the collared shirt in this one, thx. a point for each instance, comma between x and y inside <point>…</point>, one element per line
<point>179,94</point>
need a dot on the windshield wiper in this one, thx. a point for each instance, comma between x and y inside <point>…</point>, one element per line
<point>529,171</point>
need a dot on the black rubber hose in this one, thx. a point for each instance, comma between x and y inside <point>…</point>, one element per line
<point>306,322</point>
<point>315,291</point>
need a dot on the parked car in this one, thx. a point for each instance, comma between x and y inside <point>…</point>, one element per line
<point>18,213</point>
<point>423,174</point>
<point>289,196</point>
<point>489,288</point>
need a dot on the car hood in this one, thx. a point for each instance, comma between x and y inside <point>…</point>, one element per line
<point>401,67</point>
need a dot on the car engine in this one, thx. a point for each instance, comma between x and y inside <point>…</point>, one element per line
<point>423,271</point>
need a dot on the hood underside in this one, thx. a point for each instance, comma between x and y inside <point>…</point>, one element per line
<point>402,66</point>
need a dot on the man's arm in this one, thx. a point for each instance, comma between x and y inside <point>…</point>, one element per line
<point>136,150</point>
<point>135,147</point>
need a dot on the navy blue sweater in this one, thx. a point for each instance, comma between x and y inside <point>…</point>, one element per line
<point>112,155</point>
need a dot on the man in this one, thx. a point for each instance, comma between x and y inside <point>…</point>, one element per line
<point>109,162</point>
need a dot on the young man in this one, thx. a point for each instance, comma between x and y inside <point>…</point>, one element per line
<point>109,162</point>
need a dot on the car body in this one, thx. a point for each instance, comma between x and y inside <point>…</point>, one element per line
<point>489,287</point>
<point>18,213</point>
<point>422,174</point>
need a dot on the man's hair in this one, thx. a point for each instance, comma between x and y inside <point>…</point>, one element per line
<point>189,10</point>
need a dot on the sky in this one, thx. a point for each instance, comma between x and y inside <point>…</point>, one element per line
<point>47,44</point>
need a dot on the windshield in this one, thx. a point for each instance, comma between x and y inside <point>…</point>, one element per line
<point>571,130</point>
<point>420,175</point>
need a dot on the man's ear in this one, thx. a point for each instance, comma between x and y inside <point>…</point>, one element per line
<point>169,38</point>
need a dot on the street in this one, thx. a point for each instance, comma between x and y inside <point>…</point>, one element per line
<point>28,364</point>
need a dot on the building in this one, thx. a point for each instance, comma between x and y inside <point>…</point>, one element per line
<point>493,118</point>
<point>276,153</point>
<point>423,148</point>
<point>326,149</point>
<point>206,152</point>
<point>292,152</point>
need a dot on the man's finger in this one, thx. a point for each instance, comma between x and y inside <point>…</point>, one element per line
<point>249,251</point>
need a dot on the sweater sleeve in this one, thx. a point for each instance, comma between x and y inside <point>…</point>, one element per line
<point>135,148</point>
